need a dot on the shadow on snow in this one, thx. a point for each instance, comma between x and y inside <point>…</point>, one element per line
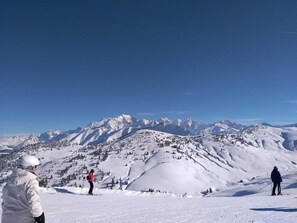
<point>63,190</point>
<point>275,209</point>
<point>291,186</point>
<point>243,193</point>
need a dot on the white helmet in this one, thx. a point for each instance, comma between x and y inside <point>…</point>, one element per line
<point>27,161</point>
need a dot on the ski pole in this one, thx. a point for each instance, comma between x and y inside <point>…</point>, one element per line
<point>82,186</point>
<point>265,186</point>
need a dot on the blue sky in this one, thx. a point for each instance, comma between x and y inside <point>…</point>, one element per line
<point>64,64</point>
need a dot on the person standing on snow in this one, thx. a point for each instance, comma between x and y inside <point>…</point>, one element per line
<point>276,179</point>
<point>91,178</point>
<point>21,202</point>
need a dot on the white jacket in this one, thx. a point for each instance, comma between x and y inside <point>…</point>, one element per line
<point>21,202</point>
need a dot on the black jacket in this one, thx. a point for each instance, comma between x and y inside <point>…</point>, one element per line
<point>275,176</point>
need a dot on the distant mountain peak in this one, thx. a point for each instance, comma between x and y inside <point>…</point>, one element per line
<point>48,135</point>
<point>115,123</point>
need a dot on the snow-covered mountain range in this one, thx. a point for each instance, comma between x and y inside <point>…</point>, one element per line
<point>113,128</point>
<point>160,155</point>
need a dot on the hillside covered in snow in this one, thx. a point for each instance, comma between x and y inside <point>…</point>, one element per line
<point>147,159</point>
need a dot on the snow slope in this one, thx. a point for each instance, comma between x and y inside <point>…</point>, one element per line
<point>245,202</point>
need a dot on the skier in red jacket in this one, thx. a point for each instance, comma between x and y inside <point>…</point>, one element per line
<point>91,178</point>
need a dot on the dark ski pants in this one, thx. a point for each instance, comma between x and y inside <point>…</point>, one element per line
<point>278,188</point>
<point>91,187</point>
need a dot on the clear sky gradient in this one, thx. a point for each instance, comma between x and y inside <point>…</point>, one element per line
<point>64,63</point>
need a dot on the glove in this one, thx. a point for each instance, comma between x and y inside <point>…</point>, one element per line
<point>40,219</point>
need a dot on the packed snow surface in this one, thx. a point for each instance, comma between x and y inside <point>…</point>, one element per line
<point>246,202</point>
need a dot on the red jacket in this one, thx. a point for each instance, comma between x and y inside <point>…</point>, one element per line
<point>91,177</point>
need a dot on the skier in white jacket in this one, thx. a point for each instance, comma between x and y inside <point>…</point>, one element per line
<point>21,202</point>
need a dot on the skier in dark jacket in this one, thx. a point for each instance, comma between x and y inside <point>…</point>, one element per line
<point>276,179</point>
<point>91,178</point>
